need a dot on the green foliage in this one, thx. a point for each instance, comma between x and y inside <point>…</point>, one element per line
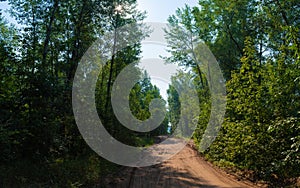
<point>174,107</point>
<point>40,143</point>
<point>255,42</point>
<point>84,171</point>
<point>257,46</point>
<point>179,90</point>
<point>140,98</point>
<point>284,145</point>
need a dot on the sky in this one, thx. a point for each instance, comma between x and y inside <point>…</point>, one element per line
<point>159,11</point>
<point>4,6</point>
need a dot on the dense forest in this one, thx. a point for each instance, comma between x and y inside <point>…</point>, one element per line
<point>40,142</point>
<point>256,44</point>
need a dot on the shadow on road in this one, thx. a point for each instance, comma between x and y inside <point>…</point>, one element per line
<point>184,170</point>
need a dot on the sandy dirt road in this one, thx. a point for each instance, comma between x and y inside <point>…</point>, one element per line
<point>184,170</point>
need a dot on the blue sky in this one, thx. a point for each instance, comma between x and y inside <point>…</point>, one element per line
<point>159,10</point>
<point>4,6</point>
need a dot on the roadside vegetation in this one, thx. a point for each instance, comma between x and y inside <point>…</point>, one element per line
<point>256,44</point>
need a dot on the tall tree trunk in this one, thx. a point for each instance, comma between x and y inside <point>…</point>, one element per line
<point>110,73</point>
<point>49,32</point>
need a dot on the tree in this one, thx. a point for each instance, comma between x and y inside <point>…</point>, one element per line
<point>141,96</point>
<point>182,38</point>
<point>261,95</point>
<point>184,104</point>
<point>257,46</point>
<point>8,88</point>
<point>38,64</point>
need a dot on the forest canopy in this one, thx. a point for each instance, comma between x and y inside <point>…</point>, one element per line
<point>256,44</point>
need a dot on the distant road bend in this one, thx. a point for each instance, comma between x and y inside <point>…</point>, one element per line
<point>185,170</point>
